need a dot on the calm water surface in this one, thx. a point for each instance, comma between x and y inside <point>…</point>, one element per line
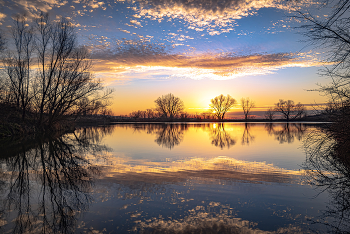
<point>171,178</point>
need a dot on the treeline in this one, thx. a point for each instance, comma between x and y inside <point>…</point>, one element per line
<point>45,76</point>
<point>169,107</point>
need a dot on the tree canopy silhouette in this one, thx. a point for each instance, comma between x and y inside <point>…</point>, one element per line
<point>169,105</point>
<point>247,104</point>
<point>221,104</point>
<point>289,110</point>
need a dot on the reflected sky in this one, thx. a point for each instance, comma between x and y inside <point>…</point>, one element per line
<point>247,142</point>
<point>165,178</point>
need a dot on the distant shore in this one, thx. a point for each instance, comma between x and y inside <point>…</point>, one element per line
<point>16,128</point>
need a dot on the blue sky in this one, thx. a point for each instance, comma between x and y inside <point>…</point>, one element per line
<point>195,49</point>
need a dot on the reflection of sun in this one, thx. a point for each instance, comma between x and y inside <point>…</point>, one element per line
<point>214,125</point>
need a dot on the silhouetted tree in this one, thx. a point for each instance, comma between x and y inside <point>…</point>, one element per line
<point>269,114</point>
<point>2,80</point>
<point>331,33</point>
<point>2,42</point>
<point>18,65</point>
<point>48,72</point>
<point>207,115</point>
<point>221,104</point>
<point>150,114</point>
<point>247,105</point>
<point>169,105</point>
<point>289,110</point>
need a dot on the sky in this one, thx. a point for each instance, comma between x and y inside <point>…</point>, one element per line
<point>194,49</point>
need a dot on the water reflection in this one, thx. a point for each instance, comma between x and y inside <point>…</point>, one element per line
<point>45,187</point>
<point>212,218</point>
<point>221,168</point>
<point>328,167</point>
<point>247,138</point>
<point>48,184</point>
<point>170,135</point>
<point>167,135</point>
<point>286,133</point>
<point>219,137</point>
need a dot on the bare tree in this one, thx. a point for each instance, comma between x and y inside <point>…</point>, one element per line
<point>18,64</point>
<point>289,110</point>
<point>64,76</point>
<point>2,42</point>
<point>2,80</point>
<point>247,105</point>
<point>57,83</point>
<point>169,105</point>
<point>221,104</point>
<point>331,34</point>
<point>150,114</point>
<point>269,114</point>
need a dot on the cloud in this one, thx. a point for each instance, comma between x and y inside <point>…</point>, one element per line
<point>123,30</point>
<point>208,15</point>
<point>142,57</point>
<point>2,16</point>
<point>94,4</point>
<point>31,8</point>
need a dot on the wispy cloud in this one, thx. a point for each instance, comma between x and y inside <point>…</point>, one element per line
<point>138,58</point>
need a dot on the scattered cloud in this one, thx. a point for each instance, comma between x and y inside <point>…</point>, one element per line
<point>31,8</point>
<point>210,15</point>
<point>123,30</point>
<point>2,16</point>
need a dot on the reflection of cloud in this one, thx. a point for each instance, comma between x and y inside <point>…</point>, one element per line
<point>210,14</point>
<point>214,218</point>
<point>137,57</point>
<point>223,168</point>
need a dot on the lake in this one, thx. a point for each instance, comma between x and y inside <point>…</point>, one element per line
<point>175,178</point>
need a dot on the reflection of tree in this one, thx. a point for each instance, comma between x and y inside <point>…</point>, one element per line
<point>287,133</point>
<point>247,138</point>
<point>328,167</point>
<point>167,135</point>
<point>220,138</point>
<point>170,135</point>
<point>48,185</point>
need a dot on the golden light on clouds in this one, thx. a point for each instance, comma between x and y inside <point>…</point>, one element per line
<point>208,219</point>
<point>221,167</point>
<point>222,66</point>
<point>214,16</point>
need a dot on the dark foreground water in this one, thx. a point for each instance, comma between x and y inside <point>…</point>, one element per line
<point>176,178</point>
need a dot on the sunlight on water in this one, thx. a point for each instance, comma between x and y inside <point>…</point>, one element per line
<point>171,178</point>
